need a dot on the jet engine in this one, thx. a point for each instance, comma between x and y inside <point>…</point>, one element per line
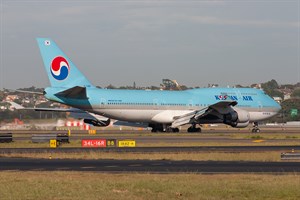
<point>237,118</point>
<point>241,125</point>
<point>95,122</point>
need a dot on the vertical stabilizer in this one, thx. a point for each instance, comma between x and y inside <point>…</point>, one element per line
<point>60,69</point>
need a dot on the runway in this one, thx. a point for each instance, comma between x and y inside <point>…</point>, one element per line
<point>234,149</point>
<point>172,139</point>
<point>147,166</point>
<point>231,136</point>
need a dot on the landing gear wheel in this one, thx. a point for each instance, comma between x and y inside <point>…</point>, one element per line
<point>193,129</point>
<point>255,128</point>
<point>175,130</point>
<point>163,128</point>
<point>154,130</point>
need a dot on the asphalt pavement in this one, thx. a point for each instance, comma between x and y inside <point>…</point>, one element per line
<point>147,166</point>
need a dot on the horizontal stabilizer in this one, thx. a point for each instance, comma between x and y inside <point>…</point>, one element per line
<point>15,105</point>
<point>25,91</point>
<point>71,110</point>
<point>76,92</point>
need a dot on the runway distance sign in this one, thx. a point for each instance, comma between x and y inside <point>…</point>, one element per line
<point>126,143</point>
<point>93,143</point>
<point>111,143</point>
<point>53,143</point>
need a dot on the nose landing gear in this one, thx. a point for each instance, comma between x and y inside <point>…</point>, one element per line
<point>255,128</point>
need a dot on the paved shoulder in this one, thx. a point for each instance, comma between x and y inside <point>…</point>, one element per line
<point>152,166</point>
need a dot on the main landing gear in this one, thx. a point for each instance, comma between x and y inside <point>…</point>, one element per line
<point>174,130</point>
<point>255,128</point>
<point>163,128</point>
<point>194,129</point>
<point>167,129</point>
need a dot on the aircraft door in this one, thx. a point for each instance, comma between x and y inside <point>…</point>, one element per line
<point>259,106</point>
<point>102,102</point>
<point>155,103</point>
<point>190,105</point>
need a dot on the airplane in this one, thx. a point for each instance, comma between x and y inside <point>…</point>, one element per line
<point>163,111</point>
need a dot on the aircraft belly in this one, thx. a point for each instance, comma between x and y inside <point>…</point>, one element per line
<point>167,116</point>
<point>130,115</point>
<point>258,116</point>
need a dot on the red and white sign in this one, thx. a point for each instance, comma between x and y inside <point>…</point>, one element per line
<point>93,143</point>
<point>77,123</point>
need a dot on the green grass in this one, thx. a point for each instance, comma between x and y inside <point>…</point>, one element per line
<point>291,137</point>
<point>197,156</point>
<point>257,137</point>
<point>90,186</point>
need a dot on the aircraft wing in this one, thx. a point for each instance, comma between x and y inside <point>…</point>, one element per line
<point>90,118</point>
<point>75,113</point>
<point>19,107</point>
<point>221,107</point>
<point>131,124</point>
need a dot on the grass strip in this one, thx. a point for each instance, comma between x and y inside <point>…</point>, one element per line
<point>196,156</point>
<point>15,185</point>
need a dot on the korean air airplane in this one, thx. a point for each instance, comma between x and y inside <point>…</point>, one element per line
<point>160,110</point>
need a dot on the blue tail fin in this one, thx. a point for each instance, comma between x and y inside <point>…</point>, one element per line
<point>60,69</point>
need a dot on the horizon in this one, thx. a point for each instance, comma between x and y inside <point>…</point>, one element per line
<point>195,42</point>
<point>159,85</point>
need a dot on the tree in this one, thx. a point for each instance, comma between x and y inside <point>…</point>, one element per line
<point>286,109</point>
<point>110,86</point>
<point>296,93</point>
<point>270,85</point>
<point>271,88</point>
<point>1,95</point>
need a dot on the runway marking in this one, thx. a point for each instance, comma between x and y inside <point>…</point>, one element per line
<point>157,164</point>
<point>63,168</point>
<point>135,165</point>
<point>111,166</point>
<point>258,141</point>
<point>88,167</point>
<point>38,169</point>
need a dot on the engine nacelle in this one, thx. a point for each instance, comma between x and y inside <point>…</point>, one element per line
<point>241,125</point>
<point>97,122</point>
<point>243,116</point>
<point>237,118</point>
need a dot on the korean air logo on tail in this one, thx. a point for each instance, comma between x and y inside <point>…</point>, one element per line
<point>60,68</point>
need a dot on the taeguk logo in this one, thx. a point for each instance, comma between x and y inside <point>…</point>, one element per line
<point>60,68</point>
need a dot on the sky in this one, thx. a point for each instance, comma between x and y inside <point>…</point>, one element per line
<point>120,42</point>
